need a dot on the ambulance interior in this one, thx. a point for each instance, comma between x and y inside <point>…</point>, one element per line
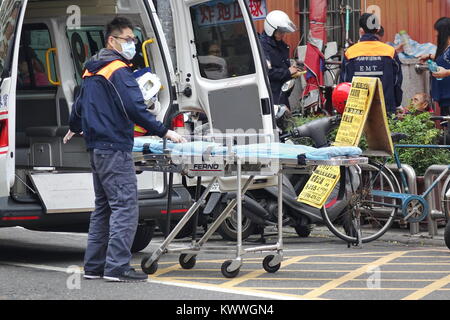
<point>57,38</point>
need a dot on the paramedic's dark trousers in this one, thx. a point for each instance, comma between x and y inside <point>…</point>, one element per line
<point>115,219</point>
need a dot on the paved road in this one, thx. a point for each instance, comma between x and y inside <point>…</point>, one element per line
<point>35,265</point>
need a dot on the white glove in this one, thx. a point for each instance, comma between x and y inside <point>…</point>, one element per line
<point>175,137</point>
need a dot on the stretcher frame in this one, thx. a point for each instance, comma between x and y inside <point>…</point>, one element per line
<point>233,165</point>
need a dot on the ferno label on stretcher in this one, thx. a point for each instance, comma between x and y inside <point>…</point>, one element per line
<point>366,98</point>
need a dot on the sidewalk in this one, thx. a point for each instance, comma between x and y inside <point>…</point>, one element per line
<point>398,235</point>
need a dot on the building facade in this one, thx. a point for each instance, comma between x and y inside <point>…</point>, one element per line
<point>417,17</point>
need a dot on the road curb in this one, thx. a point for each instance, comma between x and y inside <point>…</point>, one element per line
<point>420,239</point>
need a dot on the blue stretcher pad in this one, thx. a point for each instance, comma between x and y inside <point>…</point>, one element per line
<point>264,150</point>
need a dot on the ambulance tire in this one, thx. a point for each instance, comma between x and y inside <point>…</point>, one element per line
<point>144,235</point>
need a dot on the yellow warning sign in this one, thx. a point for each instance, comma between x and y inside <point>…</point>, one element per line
<point>365,111</point>
<point>355,114</point>
<point>320,185</point>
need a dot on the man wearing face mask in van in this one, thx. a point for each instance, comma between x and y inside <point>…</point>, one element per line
<point>109,104</point>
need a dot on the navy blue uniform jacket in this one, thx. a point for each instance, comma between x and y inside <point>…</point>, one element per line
<point>372,58</point>
<point>441,88</point>
<point>276,53</point>
<point>106,110</point>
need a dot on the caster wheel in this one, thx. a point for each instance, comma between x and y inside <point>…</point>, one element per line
<point>269,268</point>
<point>150,270</point>
<point>189,264</point>
<point>226,273</point>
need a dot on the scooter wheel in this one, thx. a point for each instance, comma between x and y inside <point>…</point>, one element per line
<point>187,264</point>
<point>267,267</point>
<point>226,273</point>
<point>151,269</point>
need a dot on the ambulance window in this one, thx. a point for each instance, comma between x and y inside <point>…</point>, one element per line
<point>221,39</point>
<point>8,19</point>
<point>85,42</point>
<point>34,44</point>
<point>88,41</point>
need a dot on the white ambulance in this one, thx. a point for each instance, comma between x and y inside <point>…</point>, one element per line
<point>46,185</point>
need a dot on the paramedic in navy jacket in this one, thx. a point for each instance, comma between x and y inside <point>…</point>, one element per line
<point>109,105</point>
<point>373,58</point>
<point>276,52</point>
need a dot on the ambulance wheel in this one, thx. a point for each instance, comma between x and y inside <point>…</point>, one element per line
<point>151,269</point>
<point>269,268</point>
<point>144,235</point>
<point>447,235</point>
<point>187,264</point>
<point>229,274</point>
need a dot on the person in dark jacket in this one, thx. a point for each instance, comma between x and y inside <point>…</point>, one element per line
<point>373,58</point>
<point>109,104</point>
<point>440,89</point>
<point>276,53</point>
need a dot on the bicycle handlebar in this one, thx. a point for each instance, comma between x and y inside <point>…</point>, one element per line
<point>440,118</point>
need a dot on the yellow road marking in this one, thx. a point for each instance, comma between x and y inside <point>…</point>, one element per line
<point>341,289</point>
<point>419,294</point>
<point>356,273</point>
<point>431,257</point>
<point>320,271</point>
<point>165,270</point>
<point>237,289</point>
<point>292,279</point>
<point>255,274</point>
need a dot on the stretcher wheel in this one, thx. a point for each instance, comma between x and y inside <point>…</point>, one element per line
<point>150,270</point>
<point>187,264</point>
<point>226,273</point>
<point>267,267</point>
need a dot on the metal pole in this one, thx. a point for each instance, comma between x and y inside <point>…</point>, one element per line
<point>239,207</point>
<point>169,204</point>
<point>280,209</point>
<point>195,218</point>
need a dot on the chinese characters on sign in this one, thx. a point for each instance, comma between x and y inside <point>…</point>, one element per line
<point>228,11</point>
<point>355,114</point>
<point>320,186</point>
<point>365,111</point>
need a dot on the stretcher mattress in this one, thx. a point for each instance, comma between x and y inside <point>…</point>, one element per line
<point>264,150</point>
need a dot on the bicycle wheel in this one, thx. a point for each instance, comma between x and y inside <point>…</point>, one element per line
<point>367,217</point>
<point>445,199</point>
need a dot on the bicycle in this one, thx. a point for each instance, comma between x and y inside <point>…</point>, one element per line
<point>379,198</point>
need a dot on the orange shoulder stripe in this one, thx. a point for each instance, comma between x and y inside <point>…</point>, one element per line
<point>370,49</point>
<point>108,70</point>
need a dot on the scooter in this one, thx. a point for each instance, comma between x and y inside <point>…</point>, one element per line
<point>260,206</point>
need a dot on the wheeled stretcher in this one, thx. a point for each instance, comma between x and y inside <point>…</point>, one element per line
<point>226,159</point>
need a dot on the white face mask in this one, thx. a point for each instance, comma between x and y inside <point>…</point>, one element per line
<point>128,50</point>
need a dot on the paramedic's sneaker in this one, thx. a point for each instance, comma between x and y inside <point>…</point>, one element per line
<point>128,276</point>
<point>92,275</point>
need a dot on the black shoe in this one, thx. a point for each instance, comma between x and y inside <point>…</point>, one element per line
<point>92,275</point>
<point>128,276</point>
